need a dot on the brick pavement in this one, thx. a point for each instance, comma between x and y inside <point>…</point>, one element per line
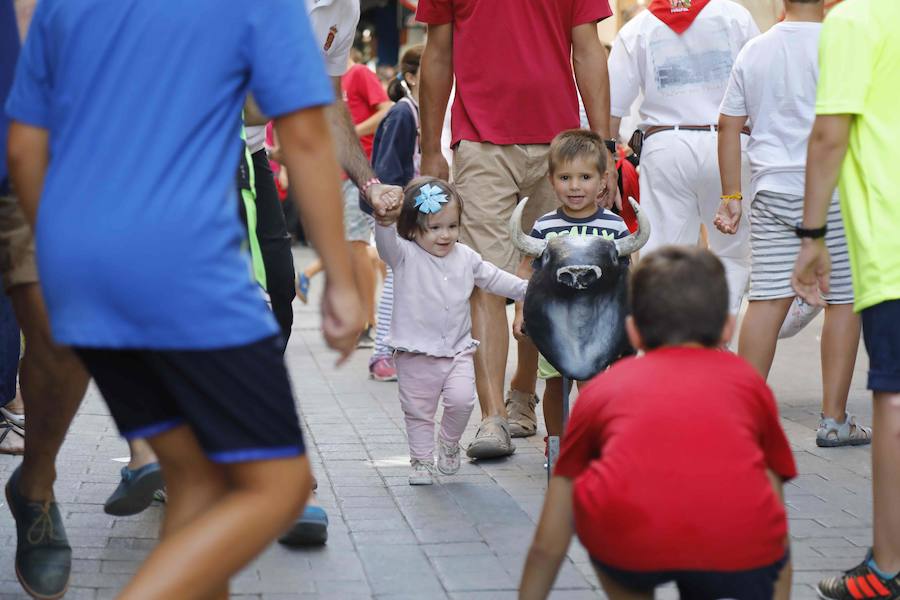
<point>463,539</point>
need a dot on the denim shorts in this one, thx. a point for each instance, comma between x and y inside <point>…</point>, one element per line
<point>753,584</point>
<point>881,332</point>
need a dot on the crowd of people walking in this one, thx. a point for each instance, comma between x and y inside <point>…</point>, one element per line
<point>148,153</point>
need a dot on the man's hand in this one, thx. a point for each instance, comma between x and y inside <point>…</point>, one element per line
<point>609,195</point>
<point>435,165</point>
<point>812,271</point>
<point>386,202</point>
<point>342,319</point>
<point>518,324</point>
<point>728,216</point>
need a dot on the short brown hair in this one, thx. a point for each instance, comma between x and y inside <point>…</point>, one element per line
<point>412,220</point>
<point>577,143</point>
<point>679,294</point>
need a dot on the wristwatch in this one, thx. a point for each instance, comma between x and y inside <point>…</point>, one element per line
<point>814,234</point>
<point>610,145</point>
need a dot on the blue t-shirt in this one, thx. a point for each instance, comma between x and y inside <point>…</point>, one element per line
<point>9,51</point>
<point>138,238</point>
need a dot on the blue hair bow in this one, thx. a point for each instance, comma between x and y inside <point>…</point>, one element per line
<point>430,198</point>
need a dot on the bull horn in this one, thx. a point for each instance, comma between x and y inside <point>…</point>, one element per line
<point>636,240</point>
<point>523,242</point>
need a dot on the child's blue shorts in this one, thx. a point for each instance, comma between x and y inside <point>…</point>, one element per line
<point>237,400</point>
<point>754,584</point>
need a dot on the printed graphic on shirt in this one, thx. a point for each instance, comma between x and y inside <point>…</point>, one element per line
<point>602,223</point>
<point>332,32</point>
<point>678,72</point>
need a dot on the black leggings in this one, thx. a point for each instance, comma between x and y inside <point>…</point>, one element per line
<point>275,245</point>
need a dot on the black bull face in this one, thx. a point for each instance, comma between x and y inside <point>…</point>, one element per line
<point>575,306</point>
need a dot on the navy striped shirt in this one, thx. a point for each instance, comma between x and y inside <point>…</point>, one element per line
<point>604,223</point>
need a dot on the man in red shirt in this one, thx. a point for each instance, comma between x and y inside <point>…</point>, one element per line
<point>673,463</point>
<point>513,63</point>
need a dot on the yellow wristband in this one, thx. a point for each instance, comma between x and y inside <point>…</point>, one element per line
<point>727,197</point>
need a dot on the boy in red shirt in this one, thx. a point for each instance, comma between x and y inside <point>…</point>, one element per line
<point>673,462</point>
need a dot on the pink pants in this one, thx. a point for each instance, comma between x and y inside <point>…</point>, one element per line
<point>423,380</point>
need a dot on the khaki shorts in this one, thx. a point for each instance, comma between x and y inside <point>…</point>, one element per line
<point>491,179</point>
<point>17,263</point>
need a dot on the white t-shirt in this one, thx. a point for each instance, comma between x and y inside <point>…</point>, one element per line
<point>334,24</point>
<point>682,77</point>
<point>774,84</point>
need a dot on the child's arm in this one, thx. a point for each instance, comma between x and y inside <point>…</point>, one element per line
<point>389,245</point>
<point>551,541</point>
<point>525,271</point>
<point>496,281</point>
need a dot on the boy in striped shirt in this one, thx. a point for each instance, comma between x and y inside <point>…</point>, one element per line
<point>578,174</point>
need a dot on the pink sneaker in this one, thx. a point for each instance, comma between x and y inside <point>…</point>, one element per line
<point>383,369</point>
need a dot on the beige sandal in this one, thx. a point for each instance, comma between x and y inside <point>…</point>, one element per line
<point>12,441</point>
<point>520,410</point>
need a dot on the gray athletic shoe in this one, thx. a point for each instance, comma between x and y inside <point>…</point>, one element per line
<point>43,554</point>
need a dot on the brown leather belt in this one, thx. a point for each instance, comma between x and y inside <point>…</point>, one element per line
<point>658,128</point>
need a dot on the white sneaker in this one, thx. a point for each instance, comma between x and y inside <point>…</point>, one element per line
<point>421,472</point>
<point>448,457</point>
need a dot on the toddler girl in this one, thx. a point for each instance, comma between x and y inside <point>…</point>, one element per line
<point>431,329</point>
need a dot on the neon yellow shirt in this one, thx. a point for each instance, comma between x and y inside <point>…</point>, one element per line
<point>859,75</point>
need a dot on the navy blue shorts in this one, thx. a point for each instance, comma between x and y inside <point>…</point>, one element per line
<point>237,401</point>
<point>754,584</point>
<point>881,332</point>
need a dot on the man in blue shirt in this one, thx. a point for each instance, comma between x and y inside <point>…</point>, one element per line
<point>125,138</point>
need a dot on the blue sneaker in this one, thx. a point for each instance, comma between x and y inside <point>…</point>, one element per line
<point>135,491</point>
<point>303,288</point>
<point>311,529</point>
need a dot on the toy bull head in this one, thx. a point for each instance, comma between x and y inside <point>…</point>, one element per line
<point>575,305</point>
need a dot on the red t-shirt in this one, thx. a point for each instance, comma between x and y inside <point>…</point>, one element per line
<point>512,61</point>
<point>668,453</point>
<point>363,93</point>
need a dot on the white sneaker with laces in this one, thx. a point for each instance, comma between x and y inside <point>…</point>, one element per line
<point>448,457</point>
<point>421,472</point>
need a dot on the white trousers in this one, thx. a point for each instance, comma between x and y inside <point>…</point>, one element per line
<point>680,189</point>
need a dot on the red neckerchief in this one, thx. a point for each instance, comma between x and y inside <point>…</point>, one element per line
<point>677,14</point>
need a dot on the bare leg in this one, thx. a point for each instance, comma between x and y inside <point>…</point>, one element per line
<point>525,377</point>
<point>840,341</point>
<point>364,273</point>
<point>141,454</point>
<point>313,268</point>
<point>552,401</point>
<point>219,518</point>
<point>783,585</point>
<point>490,327</point>
<point>886,481</point>
<point>53,384</point>
<point>759,332</point>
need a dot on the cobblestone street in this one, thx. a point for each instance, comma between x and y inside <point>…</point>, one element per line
<point>463,538</point>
